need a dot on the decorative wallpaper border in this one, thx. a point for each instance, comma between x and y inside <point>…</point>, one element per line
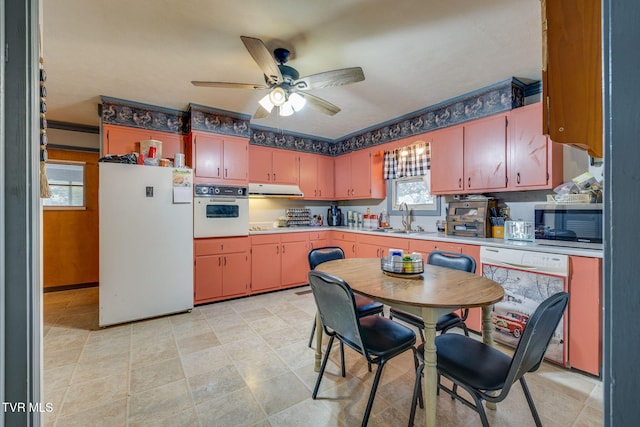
<point>127,113</point>
<point>502,96</point>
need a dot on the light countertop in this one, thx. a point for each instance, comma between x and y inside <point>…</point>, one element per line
<point>592,250</point>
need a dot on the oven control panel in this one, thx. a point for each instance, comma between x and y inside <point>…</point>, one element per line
<point>206,190</point>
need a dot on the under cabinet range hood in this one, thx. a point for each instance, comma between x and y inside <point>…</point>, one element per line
<point>275,190</point>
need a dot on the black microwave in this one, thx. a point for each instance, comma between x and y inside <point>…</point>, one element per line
<point>575,222</point>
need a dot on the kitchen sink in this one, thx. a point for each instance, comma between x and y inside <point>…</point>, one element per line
<point>403,231</point>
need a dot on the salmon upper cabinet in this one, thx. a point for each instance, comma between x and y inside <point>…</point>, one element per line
<point>218,159</point>
<point>470,158</point>
<point>272,166</point>
<point>447,148</point>
<point>117,140</point>
<point>485,154</point>
<point>316,176</point>
<point>358,175</point>
<point>536,162</point>
<point>572,73</point>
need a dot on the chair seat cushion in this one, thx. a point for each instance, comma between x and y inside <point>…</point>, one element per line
<point>385,338</point>
<point>472,362</point>
<point>367,306</point>
<point>448,320</point>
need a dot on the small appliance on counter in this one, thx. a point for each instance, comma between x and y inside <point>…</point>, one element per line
<point>519,230</point>
<point>334,216</point>
<point>470,218</point>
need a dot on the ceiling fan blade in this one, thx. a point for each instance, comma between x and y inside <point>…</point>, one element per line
<point>261,113</point>
<point>343,76</point>
<point>263,58</point>
<point>229,85</point>
<point>320,104</point>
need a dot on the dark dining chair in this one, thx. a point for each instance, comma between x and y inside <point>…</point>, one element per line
<point>364,305</point>
<point>376,338</point>
<point>454,260</point>
<point>485,372</point>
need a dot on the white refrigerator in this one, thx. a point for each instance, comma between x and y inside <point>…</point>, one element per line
<point>146,242</point>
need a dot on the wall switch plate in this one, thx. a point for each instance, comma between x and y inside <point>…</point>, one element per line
<point>149,191</point>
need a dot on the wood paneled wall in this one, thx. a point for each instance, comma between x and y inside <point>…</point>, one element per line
<point>70,237</point>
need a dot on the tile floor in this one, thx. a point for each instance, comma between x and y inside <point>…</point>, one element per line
<point>246,362</point>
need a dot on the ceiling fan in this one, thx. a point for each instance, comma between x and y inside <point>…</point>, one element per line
<point>287,90</point>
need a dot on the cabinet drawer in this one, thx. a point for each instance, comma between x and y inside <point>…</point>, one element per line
<point>318,235</point>
<point>424,246</point>
<point>264,239</point>
<point>220,246</point>
<point>294,237</point>
<point>340,235</point>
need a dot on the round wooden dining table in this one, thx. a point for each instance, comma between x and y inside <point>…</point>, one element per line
<point>431,294</point>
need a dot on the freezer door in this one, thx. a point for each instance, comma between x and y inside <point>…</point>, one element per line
<point>146,244</point>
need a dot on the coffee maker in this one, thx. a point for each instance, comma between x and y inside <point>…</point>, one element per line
<point>334,216</point>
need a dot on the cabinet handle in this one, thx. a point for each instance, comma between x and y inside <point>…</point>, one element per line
<point>319,192</point>
<point>218,174</point>
<point>459,182</point>
<point>518,177</point>
<point>225,261</point>
<point>353,248</point>
<point>278,250</point>
<point>315,192</point>
<point>219,261</point>
<point>283,248</point>
<point>469,182</point>
<point>268,176</point>
<point>225,172</point>
<point>274,177</point>
<point>378,252</point>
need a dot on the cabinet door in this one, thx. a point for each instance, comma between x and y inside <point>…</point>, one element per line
<point>208,277</point>
<point>447,154</point>
<point>285,167</point>
<point>348,246</point>
<point>122,140</point>
<point>485,154</point>
<point>208,156</point>
<point>572,73</point>
<point>325,178</point>
<point>265,267</point>
<point>236,274</point>
<point>585,322</point>
<point>367,250</point>
<point>529,159</point>
<point>260,164</point>
<point>235,160</point>
<point>361,174</point>
<point>319,243</point>
<point>342,175</point>
<point>295,265</point>
<point>308,170</point>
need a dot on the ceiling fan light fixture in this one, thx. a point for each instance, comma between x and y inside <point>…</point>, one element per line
<point>278,96</point>
<point>286,109</point>
<point>297,101</point>
<point>266,103</point>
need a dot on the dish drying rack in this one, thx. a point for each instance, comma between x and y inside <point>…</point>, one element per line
<point>569,198</point>
<point>400,265</point>
<point>298,217</point>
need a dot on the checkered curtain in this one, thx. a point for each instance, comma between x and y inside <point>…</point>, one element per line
<point>414,160</point>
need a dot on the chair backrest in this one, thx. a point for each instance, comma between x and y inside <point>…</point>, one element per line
<point>337,307</point>
<point>536,337</point>
<point>319,255</point>
<point>454,260</point>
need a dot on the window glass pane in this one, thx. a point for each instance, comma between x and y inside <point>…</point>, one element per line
<point>412,192</point>
<point>66,183</point>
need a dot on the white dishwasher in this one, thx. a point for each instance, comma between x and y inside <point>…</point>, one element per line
<point>528,278</point>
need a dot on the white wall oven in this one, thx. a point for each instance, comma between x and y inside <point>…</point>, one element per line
<point>220,211</point>
<point>528,278</point>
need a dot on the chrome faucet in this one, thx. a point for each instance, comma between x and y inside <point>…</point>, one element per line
<point>406,216</point>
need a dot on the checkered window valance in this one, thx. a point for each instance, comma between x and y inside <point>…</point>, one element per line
<point>413,160</point>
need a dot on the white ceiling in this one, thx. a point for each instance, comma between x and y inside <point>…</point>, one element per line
<point>414,53</point>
